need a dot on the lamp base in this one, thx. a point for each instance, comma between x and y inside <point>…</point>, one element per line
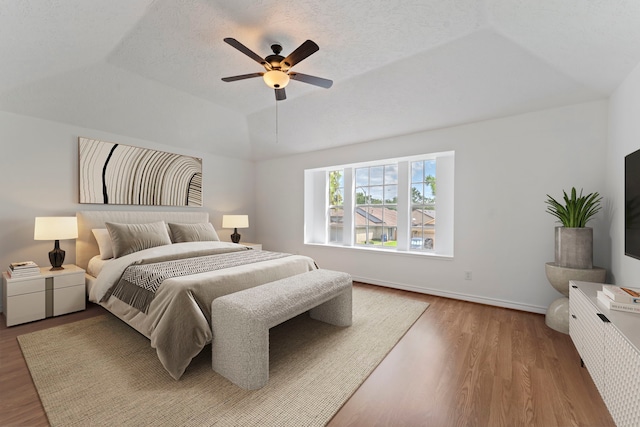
<point>56,257</point>
<point>235,237</point>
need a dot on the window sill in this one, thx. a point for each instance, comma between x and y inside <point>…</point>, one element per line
<point>384,251</point>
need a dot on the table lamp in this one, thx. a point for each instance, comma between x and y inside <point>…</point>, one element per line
<point>235,222</point>
<point>56,228</point>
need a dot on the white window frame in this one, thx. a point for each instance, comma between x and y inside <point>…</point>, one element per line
<point>316,202</point>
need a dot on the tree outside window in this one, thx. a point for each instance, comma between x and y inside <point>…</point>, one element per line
<point>423,204</point>
<point>336,206</point>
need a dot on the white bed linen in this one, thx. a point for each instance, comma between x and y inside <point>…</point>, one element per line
<point>95,265</point>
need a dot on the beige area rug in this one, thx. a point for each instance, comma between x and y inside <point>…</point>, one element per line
<point>99,371</point>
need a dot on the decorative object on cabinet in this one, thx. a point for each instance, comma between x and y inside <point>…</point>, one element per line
<point>611,303</point>
<point>56,228</point>
<point>23,269</point>
<point>124,175</point>
<point>235,222</point>
<point>50,293</point>
<point>622,294</point>
<point>609,346</point>
<point>573,251</point>
<point>574,240</point>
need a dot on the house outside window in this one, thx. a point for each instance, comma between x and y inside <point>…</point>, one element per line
<point>376,205</point>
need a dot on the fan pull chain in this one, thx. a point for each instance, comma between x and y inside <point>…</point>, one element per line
<point>277,139</point>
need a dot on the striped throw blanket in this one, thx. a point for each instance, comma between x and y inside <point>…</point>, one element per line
<point>140,282</point>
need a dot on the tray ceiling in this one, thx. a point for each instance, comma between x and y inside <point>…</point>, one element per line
<point>152,69</point>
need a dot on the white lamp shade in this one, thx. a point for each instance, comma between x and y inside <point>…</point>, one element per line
<point>235,221</point>
<point>56,228</point>
<point>276,79</point>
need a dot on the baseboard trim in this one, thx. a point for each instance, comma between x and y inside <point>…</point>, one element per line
<point>454,295</point>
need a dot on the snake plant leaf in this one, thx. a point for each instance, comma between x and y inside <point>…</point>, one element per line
<point>577,209</point>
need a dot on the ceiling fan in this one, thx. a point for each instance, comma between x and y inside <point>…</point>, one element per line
<point>278,74</point>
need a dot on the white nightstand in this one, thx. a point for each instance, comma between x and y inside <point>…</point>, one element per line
<point>53,293</point>
<point>255,246</point>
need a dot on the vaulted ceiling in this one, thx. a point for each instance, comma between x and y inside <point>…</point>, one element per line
<point>151,69</point>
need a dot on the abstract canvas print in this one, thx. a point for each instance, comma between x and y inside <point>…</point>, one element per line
<point>117,174</point>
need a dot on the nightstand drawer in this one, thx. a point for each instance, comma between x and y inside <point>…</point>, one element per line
<point>68,280</point>
<point>69,299</point>
<point>24,308</point>
<point>25,286</point>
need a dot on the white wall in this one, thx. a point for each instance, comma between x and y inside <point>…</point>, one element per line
<point>624,138</point>
<point>504,169</point>
<point>39,177</point>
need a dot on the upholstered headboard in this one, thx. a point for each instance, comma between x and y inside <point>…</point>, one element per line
<point>86,244</point>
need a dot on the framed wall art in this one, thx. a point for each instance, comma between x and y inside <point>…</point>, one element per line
<point>117,174</point>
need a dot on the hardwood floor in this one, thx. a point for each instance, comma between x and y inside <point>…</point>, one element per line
<point>461,364</point>
<point>466,364</point>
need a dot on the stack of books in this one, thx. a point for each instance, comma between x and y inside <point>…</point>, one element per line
<point>620,298</point>
<point>23,269</point>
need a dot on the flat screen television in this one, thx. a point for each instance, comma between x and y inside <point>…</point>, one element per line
<point>632,204</point>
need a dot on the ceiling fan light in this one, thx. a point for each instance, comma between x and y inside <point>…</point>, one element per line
<point>276,79</point>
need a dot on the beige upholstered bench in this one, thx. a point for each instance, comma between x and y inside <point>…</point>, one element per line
<point>241,321</point>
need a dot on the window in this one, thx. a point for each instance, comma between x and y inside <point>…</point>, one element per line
<point>336,205</point>
<point>388,205</point>
<point>423,204</point>
<point>376,205</point>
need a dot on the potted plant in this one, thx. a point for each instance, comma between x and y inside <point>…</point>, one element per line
<point>574,240</point>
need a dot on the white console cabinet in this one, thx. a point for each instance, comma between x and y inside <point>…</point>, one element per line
<point>52,293</point>
<point>608,342</point>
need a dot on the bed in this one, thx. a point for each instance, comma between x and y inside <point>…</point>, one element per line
<point>177,281</point>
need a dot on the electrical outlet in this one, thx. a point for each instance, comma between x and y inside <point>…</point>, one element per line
<point>467,275</point>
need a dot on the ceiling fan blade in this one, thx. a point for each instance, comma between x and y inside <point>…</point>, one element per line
<point>280,95</point>
<point>313,80</point>
<point>242,48</point>
<point>303,51</point>
<point>241,77</point>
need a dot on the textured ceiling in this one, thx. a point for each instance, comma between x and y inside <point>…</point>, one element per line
<point>152,69</point>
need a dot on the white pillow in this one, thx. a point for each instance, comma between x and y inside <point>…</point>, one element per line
<point>104,242</point>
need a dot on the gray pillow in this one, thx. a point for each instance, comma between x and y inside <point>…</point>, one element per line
<point>129,238</point>
<point>201,232</point>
